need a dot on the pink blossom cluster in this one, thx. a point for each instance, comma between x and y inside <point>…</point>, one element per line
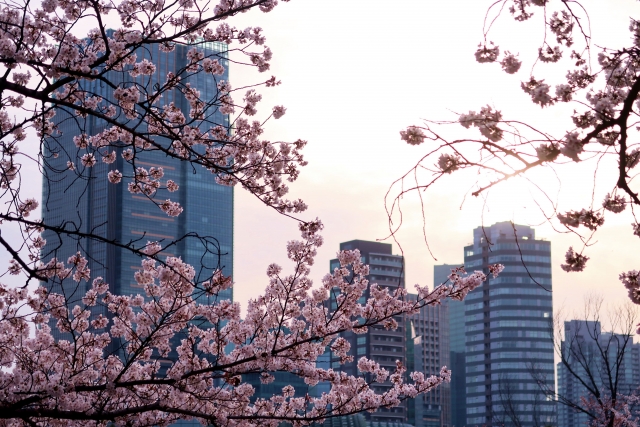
<point>620,411</point>
<point>574,261</point>
<point>589,218</point>
<point>79,380</point>
<point>49,67</point>
<point>486,121</point>
<point>630,281</point>
<point>615,203</point>
<point>602,83</point>
<point>413,135</point>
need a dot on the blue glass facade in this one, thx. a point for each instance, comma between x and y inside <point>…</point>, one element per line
<point>508,331</point>
<point>454,326</point>
<point>594,360</point>
<point>85,201</point>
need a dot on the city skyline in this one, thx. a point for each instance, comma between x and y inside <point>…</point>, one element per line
<point>354,161</point>
<point>422,91</point>
<point>498,150</point>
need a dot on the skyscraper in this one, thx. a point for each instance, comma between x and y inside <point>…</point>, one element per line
<point>82,199</point>
<point>454,324</point>
<point>508,329</point>
<point>428,349</point>
<point>606,362</point>
<point>378,344</point>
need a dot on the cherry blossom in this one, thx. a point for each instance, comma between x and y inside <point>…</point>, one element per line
<point>600,85</point>
<point>448,163</point>
<point>615,204</point>
<point>574,261</point>
<point>57,74</point>
<point>588,218</point>
<point>413,135</point>
<point>510,64</point>
<point>630,281</point>
<point>122,366</point>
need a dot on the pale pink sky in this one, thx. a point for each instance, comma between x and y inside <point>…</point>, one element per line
<point>354,74</point>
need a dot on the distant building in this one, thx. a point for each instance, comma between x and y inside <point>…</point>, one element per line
<point>507,330</point>
<point>585,347</point>
<point>455,330</point>
<point>428,352</point>
<point>378,344</point>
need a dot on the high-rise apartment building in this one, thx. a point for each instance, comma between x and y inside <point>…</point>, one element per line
<point>600,360</point>
<point>378,344</point>
<point>508,329</point>
<point>84,200</point>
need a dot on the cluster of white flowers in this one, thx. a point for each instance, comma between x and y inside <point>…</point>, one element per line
<point>278,111</point>
<point>547,152</point>
<point>572,145</point>
<point>561,24</point>
<point>28,206</point>
<point>487,53</point>
<point>549,54</point>
<point>633,158</point>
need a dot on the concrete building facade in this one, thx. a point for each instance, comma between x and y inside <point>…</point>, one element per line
<point>378,344</point>
<point>428,352</point>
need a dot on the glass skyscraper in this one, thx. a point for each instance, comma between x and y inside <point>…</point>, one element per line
<point>603,361</point>
<point>84,200</point>
<point>454,325</point>
<point>508,329</point>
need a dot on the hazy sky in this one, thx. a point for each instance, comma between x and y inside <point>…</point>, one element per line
<point>355,73</point>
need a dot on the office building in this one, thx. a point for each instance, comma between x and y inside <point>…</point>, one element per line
<point>428,352</point>
<point>378,344</point>
<point>599,360</point>
<point>454,326</point>
<point>83,199</point>
<point>508,329</point>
